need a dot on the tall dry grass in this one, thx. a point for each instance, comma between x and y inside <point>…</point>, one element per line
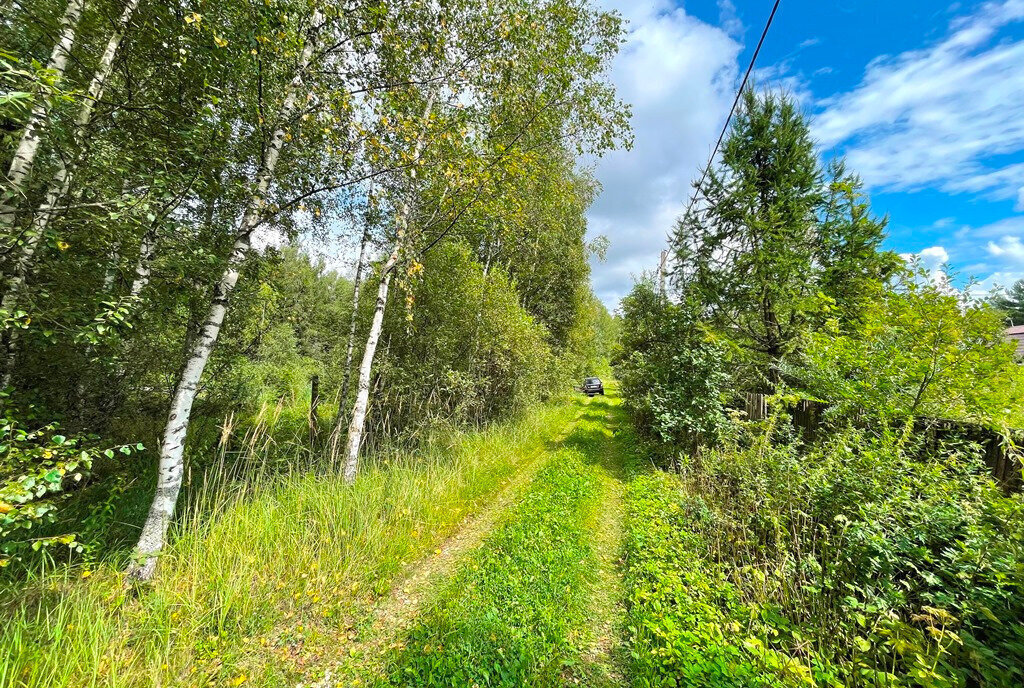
<point>266,575</point>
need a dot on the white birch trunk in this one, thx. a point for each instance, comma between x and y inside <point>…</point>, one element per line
<point>172,449</point>
<point>339,419</point>
<point>61,182</point>
<point>362,402</point>
<point>144,265</point>
<point>32,136</point>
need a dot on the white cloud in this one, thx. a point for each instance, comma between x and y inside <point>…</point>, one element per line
<point>934,117</point>
<point>1007,226</point>
<point>679,74</point>
<point>781,77</point>
<point>1002,253</point>
<point>1019,206</point>
<point>729,20</point>
<point>933,260</point>
<point>996,279</point>
<point>934,257</point>
<point>1008,248</point>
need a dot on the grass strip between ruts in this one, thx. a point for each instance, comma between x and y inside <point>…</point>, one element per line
<point>516,614</point>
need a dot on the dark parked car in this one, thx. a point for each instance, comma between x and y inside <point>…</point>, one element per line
<point>592,386</point>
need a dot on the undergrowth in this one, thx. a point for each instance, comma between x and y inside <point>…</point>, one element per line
<point>861,560</point>
<point>262,577</point>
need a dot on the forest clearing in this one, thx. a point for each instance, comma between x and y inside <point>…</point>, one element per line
<point>362,343</point>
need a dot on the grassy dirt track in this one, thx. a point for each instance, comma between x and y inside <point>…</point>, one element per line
<point>490,559</point>
<point>536,600</point>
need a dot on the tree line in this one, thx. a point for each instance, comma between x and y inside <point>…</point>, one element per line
<point>148,147</point>
<point>864,551</point>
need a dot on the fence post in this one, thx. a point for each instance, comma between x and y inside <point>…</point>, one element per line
<point>314,419</point>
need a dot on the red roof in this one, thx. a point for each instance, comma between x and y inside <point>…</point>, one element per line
<point>1016,333</point>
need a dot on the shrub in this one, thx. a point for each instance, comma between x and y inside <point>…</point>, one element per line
<point>901,566</point>
<point>672,373</point>
<point>688,624</point>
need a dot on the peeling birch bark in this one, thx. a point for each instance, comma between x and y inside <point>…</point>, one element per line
<point>362,402</point>
<point>32,136</point>
<point>339,419</point>
<point>172,449</point>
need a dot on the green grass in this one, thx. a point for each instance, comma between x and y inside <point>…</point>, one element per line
<point>687,624</point>
<point>264,579</point>
<point>517,613</point>
<point>850,562</point>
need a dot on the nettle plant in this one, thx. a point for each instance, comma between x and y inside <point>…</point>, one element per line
<point>41,468</point>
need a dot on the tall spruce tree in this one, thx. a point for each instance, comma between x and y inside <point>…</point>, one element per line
<point>776,243</point>
<point>1010,300</point>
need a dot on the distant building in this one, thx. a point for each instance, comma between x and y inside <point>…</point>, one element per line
<point>1016,334</point>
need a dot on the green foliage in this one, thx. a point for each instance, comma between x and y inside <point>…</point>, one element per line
<point>776,241</point>
<point>671,370</point>
<point>920,349</point>
<point>39,468</point>
<point>689,625</point>
<point>470,353</point>
<point>1010,301</point>
<point>895,564</point>
<point>856,554</point>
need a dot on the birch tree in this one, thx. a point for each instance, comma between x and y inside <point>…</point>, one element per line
<point>28,146</point>
<point>59,185</point>
<point>171,468</point>
<point>342,413</point>
<point>498,81</point>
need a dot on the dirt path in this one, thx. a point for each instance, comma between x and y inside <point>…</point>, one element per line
<point>396,612</point>
<point>603,658</point>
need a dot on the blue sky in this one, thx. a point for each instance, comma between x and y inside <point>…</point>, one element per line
<point>925,99</point>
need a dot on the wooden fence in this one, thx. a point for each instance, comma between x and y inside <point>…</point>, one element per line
<point>1000,456</point>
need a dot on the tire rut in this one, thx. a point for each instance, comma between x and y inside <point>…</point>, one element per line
<point>603,660</point>
<point>395,613</point>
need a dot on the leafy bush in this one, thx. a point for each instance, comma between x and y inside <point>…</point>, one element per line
<point>38,469</point>
<point>919,349</point>
<point>672,373</point>
<point>688,624</point>
<point>901,566</point>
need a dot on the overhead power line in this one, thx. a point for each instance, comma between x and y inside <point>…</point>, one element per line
<point>732,110</point>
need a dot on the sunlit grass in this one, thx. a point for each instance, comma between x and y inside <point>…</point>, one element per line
<point>263,577</point>
<point>517,613</point>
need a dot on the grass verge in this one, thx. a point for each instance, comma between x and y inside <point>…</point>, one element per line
<point>260,578</point>
<point>687,626</point>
